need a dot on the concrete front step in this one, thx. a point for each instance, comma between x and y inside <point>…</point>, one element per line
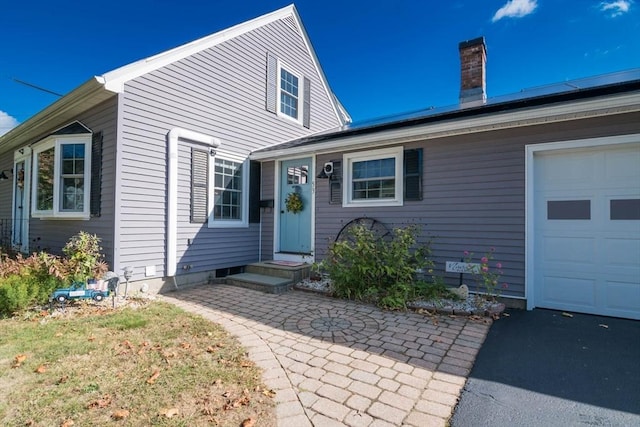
<point>288,271</point>
<point>261,282</point>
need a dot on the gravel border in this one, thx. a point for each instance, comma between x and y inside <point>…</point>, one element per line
<point>472,306</point>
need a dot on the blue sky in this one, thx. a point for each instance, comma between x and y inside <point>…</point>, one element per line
<point>380,57</point>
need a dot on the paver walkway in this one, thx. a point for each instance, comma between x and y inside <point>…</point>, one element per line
<point>333,362</point>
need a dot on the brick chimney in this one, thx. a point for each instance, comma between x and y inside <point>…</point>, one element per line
<point>473,60</point>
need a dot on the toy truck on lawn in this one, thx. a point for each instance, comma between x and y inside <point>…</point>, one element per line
<point>78,290</point>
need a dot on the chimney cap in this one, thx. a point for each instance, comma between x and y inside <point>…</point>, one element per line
<point>472,42</point>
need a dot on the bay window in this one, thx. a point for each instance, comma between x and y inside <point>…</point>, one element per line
<point>61,176</point>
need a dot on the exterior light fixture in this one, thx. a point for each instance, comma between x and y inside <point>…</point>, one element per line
<point>128,274</point>
<point>3,174</point>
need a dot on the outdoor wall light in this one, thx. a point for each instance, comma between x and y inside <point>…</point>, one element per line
<point>128,274</point>
<point>3,174</point>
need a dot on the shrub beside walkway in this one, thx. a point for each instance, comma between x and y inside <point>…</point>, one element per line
<point>336,362</point>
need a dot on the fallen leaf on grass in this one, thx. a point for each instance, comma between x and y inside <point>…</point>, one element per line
<point>62,380</point>
<point>58,334</point>
<point>120,414</point>
<point>247,364</point>
<point>67,423</point>
<point>91,338</point>
<point>565,314</point>
<point>185,345</point>
<point>249,422</point>
<point>211,349</point>
<point>17,361</point>
<point>170,412</point>
<point>152,379</point>
<point>41,369</point>
<point>602,325</point>
<point>100,403</point>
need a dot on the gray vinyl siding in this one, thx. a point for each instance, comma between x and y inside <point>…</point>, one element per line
<point>473,194</point>
<point>52,235</point>
<point>218,92</point>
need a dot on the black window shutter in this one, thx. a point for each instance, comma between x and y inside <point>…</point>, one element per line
<point>254,191</point>
<point>199,185</point>
<point>335,184</point>
<point>413,174</point>
<point>96,174</point>
<point>272,84</point>
<point>306,111</point>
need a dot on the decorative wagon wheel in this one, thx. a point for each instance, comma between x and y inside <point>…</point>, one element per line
<point>375,226</point>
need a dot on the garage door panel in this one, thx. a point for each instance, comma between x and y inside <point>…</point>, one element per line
<point>570,171</point>
<point>620,166</point>
<point>577,251</point>
<point>622,252</point>
<point>622,296</point>
<point>562,290</point>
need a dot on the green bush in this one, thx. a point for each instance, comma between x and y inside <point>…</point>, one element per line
<point>366,267</point>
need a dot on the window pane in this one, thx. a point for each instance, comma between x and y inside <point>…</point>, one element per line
<point>288,94</point>
<point>44,189</point>
<point>298,174</point>
<point>72,194</point>
<point>569,209</point>
<point>228,190</point>
<point>374,179</point>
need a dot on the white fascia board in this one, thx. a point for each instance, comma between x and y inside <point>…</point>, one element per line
<point>520,118</point>
<point>116,79</point>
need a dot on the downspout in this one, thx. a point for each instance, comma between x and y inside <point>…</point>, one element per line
<point>173,137</point>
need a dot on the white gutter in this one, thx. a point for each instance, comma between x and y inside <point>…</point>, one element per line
<point>173,137</point>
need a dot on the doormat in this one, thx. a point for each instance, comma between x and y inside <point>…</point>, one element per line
<point>286,263</point>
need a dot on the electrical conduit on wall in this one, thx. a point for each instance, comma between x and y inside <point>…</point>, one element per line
<point>173,137</point>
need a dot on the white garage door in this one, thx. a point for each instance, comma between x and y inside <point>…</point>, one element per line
<point>587,230</point>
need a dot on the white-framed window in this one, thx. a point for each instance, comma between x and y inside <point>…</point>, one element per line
<point>289,93</point>
<point>62,177</point>
<point>373,178</point>
<point>229,191</point>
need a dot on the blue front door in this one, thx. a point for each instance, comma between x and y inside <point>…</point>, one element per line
<point>296,176</point>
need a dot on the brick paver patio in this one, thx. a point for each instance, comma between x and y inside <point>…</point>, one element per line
<point>334,363</point>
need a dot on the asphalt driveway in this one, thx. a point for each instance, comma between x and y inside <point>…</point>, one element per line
<point>541,367</point>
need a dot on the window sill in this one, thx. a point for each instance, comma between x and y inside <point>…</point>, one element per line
<point>372,203</point>
<point>62,216</point>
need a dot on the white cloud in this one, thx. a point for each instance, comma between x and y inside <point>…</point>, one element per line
<point>7,123</point>
<point>515,9</point>
<point>616,8</point>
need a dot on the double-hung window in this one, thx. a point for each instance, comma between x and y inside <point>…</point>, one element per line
<point>61,177</point>
<point>230,192</point>
<point>288,93</point>
<point>374,178</point>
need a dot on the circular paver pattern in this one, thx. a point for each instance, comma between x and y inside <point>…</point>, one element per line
<point>334,325</point>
